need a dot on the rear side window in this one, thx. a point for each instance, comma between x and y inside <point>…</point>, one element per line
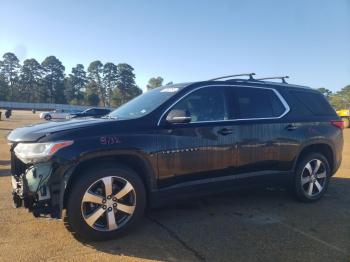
<point>316,103</point>
<point>250,103</point>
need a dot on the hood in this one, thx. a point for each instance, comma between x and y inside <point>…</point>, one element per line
<point>34,132</point>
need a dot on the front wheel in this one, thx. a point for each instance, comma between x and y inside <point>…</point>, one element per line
<point>47,117</point>
<point>105,202</point>
<point>311,178</point>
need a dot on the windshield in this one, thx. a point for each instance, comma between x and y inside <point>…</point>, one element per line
<point>86,110</point>
<point>145,103</point>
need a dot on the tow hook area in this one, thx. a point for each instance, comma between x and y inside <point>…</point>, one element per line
<point>31,190</point>
<point>17,201</point>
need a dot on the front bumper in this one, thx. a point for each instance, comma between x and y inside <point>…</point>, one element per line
<point>32,187</point>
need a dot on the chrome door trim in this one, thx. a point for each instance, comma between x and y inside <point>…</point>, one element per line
<point>280,97</point>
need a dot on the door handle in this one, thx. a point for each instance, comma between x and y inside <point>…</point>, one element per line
<point>291,127</point>
<point>225,131</point>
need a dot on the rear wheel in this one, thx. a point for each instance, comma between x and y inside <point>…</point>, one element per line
<point>311,178</point>
<point>47,117</point>
<point>346,122</point>
<point>105,202</point>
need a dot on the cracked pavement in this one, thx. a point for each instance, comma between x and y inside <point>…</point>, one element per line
<point>251,225</point>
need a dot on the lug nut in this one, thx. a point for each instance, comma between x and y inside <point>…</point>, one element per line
<point>109,197</point>
<point>109,209</point>
<point>104,207</point>
<point>115,205</point>
<point>114,199</point>
<point>103,201</point>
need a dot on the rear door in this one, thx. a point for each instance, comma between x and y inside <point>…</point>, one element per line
<point>202,148</point>
<point>260,130</point>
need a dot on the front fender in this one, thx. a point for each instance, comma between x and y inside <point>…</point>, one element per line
<point>134,159</point>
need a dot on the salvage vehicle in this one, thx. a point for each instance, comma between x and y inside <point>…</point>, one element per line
<point>174,142</point>
<point>57,114</point>
<point>90,112</point>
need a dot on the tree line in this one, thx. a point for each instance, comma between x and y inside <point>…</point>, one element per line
<point>100,85</point>
<point>46,82</point>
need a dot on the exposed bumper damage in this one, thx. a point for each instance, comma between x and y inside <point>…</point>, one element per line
<point>31,188</point>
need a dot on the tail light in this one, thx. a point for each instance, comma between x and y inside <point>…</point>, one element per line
<point>338,123</point>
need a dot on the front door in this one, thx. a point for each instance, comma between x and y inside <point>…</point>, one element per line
<point>202,148</point>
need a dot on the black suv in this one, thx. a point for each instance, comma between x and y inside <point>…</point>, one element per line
<point>176,141</point>
<point>91,112</point>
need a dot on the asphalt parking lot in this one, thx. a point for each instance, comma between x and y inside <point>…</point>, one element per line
<point>254,225</point>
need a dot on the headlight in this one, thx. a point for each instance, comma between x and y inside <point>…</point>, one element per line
<point>33,152</point>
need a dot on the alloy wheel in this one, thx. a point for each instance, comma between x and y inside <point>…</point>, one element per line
<point>313,177</point>
<point>108,203</point>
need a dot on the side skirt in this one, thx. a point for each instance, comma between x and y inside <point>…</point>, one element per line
<point>215,185</point>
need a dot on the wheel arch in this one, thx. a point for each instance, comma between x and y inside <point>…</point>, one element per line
<point>321,147</point>
<point>133,161</point>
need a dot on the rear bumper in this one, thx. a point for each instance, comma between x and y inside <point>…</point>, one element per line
<point>338,152</point>
<point>337,164</point>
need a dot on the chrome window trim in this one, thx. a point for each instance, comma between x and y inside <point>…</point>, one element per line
<point>280,97</point>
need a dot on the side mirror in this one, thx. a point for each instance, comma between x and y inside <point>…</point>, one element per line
<point>177,116</point>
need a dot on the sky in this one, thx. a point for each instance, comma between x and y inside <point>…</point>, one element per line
<point>187,40</point>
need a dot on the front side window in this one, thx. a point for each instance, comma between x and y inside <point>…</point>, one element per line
<point>205,104</point>
<point>252,103</point>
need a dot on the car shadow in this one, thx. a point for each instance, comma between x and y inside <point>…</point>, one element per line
<point>4,170</point>
<point>4,162</point>
<point>234,221</point>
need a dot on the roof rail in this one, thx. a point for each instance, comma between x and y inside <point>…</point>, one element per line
<point>283,78</point>
<point>231,76</point>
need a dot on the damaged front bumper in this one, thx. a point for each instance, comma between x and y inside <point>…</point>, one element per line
<point>30,189</point>
<point>34,189</point>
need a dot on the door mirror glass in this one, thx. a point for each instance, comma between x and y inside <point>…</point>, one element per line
<point>177,116</point>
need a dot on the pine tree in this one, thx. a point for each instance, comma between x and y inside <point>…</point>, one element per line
<point>9,69</point>
<point>95,77</point>
<point>109,81</point>
<point>31,75</point>
<point>54,79</point>
<point>75,85</point>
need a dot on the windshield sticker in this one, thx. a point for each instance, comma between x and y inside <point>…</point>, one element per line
<point>170,90</point>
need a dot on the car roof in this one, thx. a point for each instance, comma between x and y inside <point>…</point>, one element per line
<point>243,82</point>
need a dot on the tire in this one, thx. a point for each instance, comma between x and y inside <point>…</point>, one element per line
<point>346,122</point>
<point>301,187</point>
<point>125,210</point>
<point>47,117</point>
